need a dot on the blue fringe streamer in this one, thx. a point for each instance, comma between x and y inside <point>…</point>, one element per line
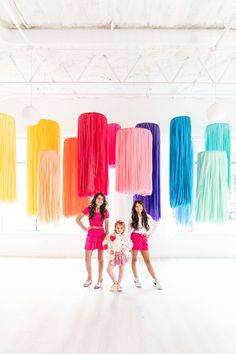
<point>181,162</point>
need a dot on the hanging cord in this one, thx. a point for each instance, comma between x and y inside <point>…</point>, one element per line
<point>31,78</point>
<point>215,76</point>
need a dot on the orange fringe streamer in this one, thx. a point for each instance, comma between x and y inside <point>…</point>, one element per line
<point>72,203</point>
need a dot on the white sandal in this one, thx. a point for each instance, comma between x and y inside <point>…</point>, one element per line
<point>87,283</point>
<point>98,285</point>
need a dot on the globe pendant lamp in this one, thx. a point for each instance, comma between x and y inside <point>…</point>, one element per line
<point>216,111</point>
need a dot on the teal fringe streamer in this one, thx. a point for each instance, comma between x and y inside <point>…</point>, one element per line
<point>181,162</point>
<point>218,137</point>
<point>212,197</point>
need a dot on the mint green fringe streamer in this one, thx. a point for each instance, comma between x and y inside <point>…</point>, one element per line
<point>218,137</point>
<point>212,197</point>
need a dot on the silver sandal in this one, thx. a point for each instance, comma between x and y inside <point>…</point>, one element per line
<point>98,285</point>
<point>87,283</point>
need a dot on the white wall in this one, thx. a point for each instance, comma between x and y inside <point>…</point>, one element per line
<point>203,241</point>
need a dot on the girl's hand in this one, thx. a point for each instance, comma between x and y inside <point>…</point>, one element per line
<point>89,228</point>
<point>111,252</point>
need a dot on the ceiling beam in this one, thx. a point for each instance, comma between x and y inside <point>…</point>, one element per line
<point>127,39</point>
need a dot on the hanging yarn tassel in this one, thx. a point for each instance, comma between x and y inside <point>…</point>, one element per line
<point>181,162</point>
<point>72,203</point>
<point>7,158</point>
<point>218,137</point>
<point>212,197</point>
<point>112,130</point>
<point>49,187</point>
<point>134,161</point>
<point>43,136</point>
<point>152,203</point>
<point>93,154</point>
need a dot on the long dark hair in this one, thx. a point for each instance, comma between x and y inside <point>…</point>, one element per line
<point>92,206</point>
<point>134,216</point>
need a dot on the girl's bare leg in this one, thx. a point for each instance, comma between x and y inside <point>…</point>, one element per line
<point>148,263</point>
<point>88,256</point>
<point>110,272</point>
<point>134,263</point>
<point>121,273</point>
<point>100,265</point>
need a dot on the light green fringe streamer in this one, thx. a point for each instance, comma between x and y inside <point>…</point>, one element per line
<point>218,137</point>
<point>212,197</point>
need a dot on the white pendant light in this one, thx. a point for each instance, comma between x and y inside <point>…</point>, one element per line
<point>216,111</point>
<point>29,113</point>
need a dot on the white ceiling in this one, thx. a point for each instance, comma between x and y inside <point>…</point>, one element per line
<point>124,13</point>
<point>151,47</point>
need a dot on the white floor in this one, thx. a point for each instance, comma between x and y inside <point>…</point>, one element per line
<point>45,310</point>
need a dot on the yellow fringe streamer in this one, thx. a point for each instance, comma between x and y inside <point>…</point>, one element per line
<point>43,136</point>
<point>7,158</point>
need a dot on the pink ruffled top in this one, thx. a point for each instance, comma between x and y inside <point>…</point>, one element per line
<point>96,221</point>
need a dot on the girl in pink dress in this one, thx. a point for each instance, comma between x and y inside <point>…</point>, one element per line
<point>98,215</point>
<point>141,226</point>
<point>118,246</point>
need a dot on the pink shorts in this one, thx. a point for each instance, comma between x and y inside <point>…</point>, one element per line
<point>139,242</point>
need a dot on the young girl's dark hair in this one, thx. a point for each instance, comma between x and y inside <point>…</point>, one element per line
<point>134,216</point>
<point>92,206</point>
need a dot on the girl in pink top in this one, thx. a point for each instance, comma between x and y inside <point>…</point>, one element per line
<point>98,215</point>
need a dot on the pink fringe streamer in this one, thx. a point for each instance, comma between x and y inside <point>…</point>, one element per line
<point>49,184</point>
<point>112,131</point>
<point>92,154</point>
<point>134,161</point>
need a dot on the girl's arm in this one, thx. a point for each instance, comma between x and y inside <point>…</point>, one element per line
<point>78,220</point>
<point>130,229</point>
<point>153,225</point>
<point>107,226</point>
<point>128,244</point>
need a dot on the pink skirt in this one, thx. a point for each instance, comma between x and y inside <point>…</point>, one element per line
<point>139,242</point>
<point>94,242</point>
<point>119,259</point>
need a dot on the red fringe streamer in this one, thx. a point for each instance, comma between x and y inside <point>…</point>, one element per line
<point>92,154</point>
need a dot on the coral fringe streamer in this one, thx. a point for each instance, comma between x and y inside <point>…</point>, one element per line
<point>49,187</point>
<point>134,161</point>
